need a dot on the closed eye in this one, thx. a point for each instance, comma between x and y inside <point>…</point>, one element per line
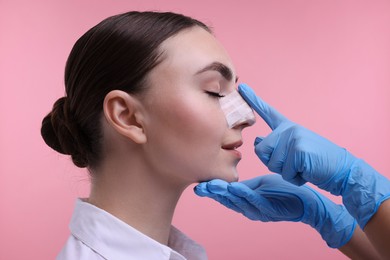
<point>214,94</point>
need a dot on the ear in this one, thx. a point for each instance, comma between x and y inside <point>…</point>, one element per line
<point>123,113</point>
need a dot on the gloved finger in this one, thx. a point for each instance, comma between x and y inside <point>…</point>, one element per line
<point>270,115</point>
<point>201,190</point>
<point>221,195</point>
<point>241,205</point>
<point>264,181</point>
<point>254,198</point>
<point>269,182</point>
<point>256,207</point>
<point>290,170</point>
<point>279,199</point>
<point>227,202</point>
<point>218,191</point>
<point>279,154</point>
<point>276,147</point>
<point>265,149</point>
<point>254,183</point>
<point>258,140</point>
<point>218,187</point>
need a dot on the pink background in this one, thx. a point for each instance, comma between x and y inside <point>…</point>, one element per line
<point>324,64</point>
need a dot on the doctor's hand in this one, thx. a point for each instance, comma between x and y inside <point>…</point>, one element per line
<point>301,155</point>
<point>270,198</point>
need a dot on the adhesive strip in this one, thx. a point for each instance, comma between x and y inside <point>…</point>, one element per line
<point>236,110</point>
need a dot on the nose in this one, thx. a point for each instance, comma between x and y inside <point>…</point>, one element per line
<point>244,123</point>
<point>237,112</point>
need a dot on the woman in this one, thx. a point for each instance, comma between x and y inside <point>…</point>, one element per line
<point>145,112</point>
<point>142,114</point>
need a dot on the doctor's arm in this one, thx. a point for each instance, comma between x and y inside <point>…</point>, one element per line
<point>359,247</point>
<point>378,229</point>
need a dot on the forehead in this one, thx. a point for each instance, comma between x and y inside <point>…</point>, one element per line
<point>193,49</point>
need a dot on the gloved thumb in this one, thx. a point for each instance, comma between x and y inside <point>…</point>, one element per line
<point>258,140</point>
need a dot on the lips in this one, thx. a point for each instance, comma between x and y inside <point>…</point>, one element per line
<point>232,146</point>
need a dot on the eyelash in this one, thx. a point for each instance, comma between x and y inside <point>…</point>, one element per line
<point>214,94</point>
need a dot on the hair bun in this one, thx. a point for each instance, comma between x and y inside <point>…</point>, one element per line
<point>60,132</point>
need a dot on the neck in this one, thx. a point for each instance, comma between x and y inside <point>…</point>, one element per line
<point>140,198</point>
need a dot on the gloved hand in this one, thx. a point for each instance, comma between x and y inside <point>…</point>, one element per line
<point>270,198</point>
<point>301,155</point>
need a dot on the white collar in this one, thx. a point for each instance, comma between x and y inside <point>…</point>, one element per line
<point>114,239</point>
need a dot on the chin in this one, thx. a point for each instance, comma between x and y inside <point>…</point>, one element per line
<point>233,179</point>
<point>232,176</point>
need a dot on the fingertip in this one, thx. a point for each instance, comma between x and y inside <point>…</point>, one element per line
<point>200,185</point>
<point>242,87</point>
<point>201,189</point>
<point>199,192</point>
<point>270,115</point>
<point>217,186</point>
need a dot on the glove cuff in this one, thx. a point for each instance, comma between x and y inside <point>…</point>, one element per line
<point>332,221</point>
<point>342,230</point>
<point>336,184</point>
<point>364,191</point>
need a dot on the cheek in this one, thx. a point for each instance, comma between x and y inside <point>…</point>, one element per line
<point>202,120</point>
<point>185,138</point>
<point>201,129</point>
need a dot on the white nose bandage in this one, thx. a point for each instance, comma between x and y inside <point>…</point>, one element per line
<point>236,110</point>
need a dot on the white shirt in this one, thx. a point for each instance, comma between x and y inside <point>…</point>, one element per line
<point>96,234</point>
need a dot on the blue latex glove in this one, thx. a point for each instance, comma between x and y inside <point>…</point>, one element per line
<point>270,198</point>
<point>301,155</point>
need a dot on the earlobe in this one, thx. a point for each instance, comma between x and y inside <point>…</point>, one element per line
<point>123,113</point>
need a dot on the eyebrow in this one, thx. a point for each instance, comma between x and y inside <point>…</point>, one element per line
<point>224,70</point>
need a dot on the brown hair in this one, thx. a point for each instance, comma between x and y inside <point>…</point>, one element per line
<point>117,53</point>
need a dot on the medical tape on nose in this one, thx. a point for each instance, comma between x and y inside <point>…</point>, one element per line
<point>236,110</point>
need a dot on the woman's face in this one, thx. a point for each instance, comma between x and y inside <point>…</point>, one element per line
<point>188,139</point>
